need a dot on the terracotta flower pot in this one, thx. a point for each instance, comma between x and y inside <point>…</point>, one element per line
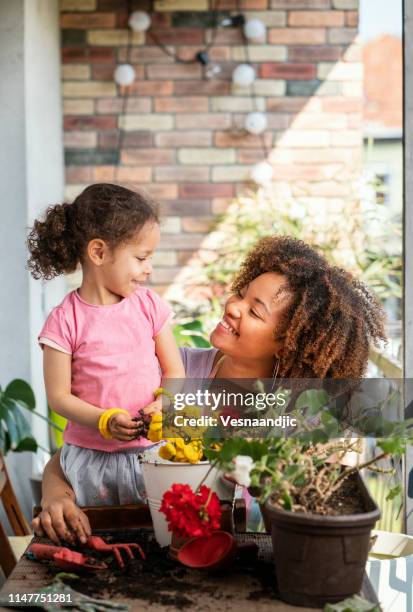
<point>321,559</point>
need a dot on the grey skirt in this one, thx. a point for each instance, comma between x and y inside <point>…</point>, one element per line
<point>99,478</point>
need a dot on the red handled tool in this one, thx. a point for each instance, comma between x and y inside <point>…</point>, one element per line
<point>64,558</point>
<point>97,543</point>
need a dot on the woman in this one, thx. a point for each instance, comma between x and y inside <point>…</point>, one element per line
<point>291,315</point>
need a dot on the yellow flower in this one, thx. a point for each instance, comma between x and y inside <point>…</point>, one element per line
<point>167,451</point>
<point>156,418</point>
<point>191,453</point>
<point>155,435</point>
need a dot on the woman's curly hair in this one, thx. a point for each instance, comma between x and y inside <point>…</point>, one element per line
<point>110,212</point>
<point>333,318</point>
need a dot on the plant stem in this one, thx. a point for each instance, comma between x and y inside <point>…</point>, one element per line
<point>206,475</point>
<point>358,468</point>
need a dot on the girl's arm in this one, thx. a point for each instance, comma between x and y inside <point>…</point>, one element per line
<point>57,368</point>
<point>60,518</point>
<point>170,361</point>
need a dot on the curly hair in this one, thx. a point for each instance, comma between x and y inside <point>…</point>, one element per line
<point>109,212</point>
<point>332,318</point>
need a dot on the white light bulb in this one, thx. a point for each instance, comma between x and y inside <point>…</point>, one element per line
<point>243,75</point>
<point>212,70</point>
<point>256,123</point>
<point>139,21</point>
<point>261,173</point>
<point>124,74</point>
<point>254,29</point>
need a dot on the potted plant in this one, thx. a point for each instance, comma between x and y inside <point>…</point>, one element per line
<point>15,432</point>
<point>319,511</point>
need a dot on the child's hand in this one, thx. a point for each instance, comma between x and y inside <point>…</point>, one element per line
<point>154,407</point>
<point>122,427</point>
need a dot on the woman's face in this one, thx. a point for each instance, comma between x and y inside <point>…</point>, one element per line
<point>250,318</point>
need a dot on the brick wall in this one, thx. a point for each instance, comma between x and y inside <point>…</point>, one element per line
<point>179,141</point>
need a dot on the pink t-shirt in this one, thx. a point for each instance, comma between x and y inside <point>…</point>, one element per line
<point>113,356</point>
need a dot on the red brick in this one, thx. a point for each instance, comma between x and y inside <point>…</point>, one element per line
<point>314,54</point>
<point>181,174</point>
<point>205,190</point>
<point>105,72</point>
<point>179,36</point>
<point>300,4</point>
<point>135,175</point>
<point>293,105</point>
<point>78,174</point>
<point>162,191</point>
<point>254,5</point>
<point>240,140</point>
<point>287,71</point>
<point>352,19</point>
<point>227,36</point>
<point>185,207</point>
<point>110,140</point>
<point>86,21</point>
<point>197,224</point>
<point>185,256</point>
<point>88,54</point>
<point>314,19</point>
<point>116,105</point>
<point>206,87</point>
<point>184,104</point>
<point>181,241</point>
<point>342,105</point>
<point>104,174</point>
<point>146,157</point>
<point>250,156</point>
<point>79,122</point>
<point>278,121</point>
<point>184,139</point>
<point>212,121</point>
<point>144,55</point>
<point>151,88</point>
<point>297,36</point>
<point>175,71</point>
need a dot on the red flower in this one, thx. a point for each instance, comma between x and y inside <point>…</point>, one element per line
<point>191,514</point>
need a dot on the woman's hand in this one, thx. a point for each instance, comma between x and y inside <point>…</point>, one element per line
<point>61,520</point>
<point>122,427</point>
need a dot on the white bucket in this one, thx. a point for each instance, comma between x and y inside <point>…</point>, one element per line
<point>392,577</point>
<point>159,475</point>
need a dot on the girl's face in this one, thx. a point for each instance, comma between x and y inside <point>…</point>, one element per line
<point>250,318</point>
<point>131,264</point>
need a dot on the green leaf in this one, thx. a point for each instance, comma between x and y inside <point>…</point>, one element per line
<point>27,444</point>
<point>21,391</point>
<point>394,492</point>
<point>314,399</point>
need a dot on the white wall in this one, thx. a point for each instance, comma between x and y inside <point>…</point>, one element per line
<point>31,177</point>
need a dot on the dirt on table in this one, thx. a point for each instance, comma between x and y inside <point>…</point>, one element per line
<point>160,580</point>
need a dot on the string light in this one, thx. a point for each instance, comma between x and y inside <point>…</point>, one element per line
<point>256,122</point>
<point>139,21</point>
<point>124,75</point>
<point>254,29</point>
<point>243,75</point>
<point>262,173</point>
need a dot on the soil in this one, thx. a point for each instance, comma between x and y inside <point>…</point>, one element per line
<point>347,499</point>
<point>159,580</point>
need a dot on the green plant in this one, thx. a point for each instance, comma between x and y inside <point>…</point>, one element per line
<point>304,472</point>
<point>15,431</point>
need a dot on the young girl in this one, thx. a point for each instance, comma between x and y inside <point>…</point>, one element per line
<point>105,344</point>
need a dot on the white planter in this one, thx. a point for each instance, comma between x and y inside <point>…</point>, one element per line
<point>392,577</point>
<point>159,475</point>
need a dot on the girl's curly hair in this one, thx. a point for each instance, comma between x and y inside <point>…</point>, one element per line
<point>332,319</point>
<point>109,212</point>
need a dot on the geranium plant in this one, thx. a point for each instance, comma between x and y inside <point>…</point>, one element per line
<point>190,513</point>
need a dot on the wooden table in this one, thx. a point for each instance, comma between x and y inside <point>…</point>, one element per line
<point>207,592</point>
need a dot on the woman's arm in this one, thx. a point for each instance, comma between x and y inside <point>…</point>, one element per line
<point>60,518</point>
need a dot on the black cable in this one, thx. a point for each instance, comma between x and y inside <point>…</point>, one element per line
<point>121,130</point>
<point>164,48</point>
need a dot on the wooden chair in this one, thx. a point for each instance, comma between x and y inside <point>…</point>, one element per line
<point>11,548</point>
